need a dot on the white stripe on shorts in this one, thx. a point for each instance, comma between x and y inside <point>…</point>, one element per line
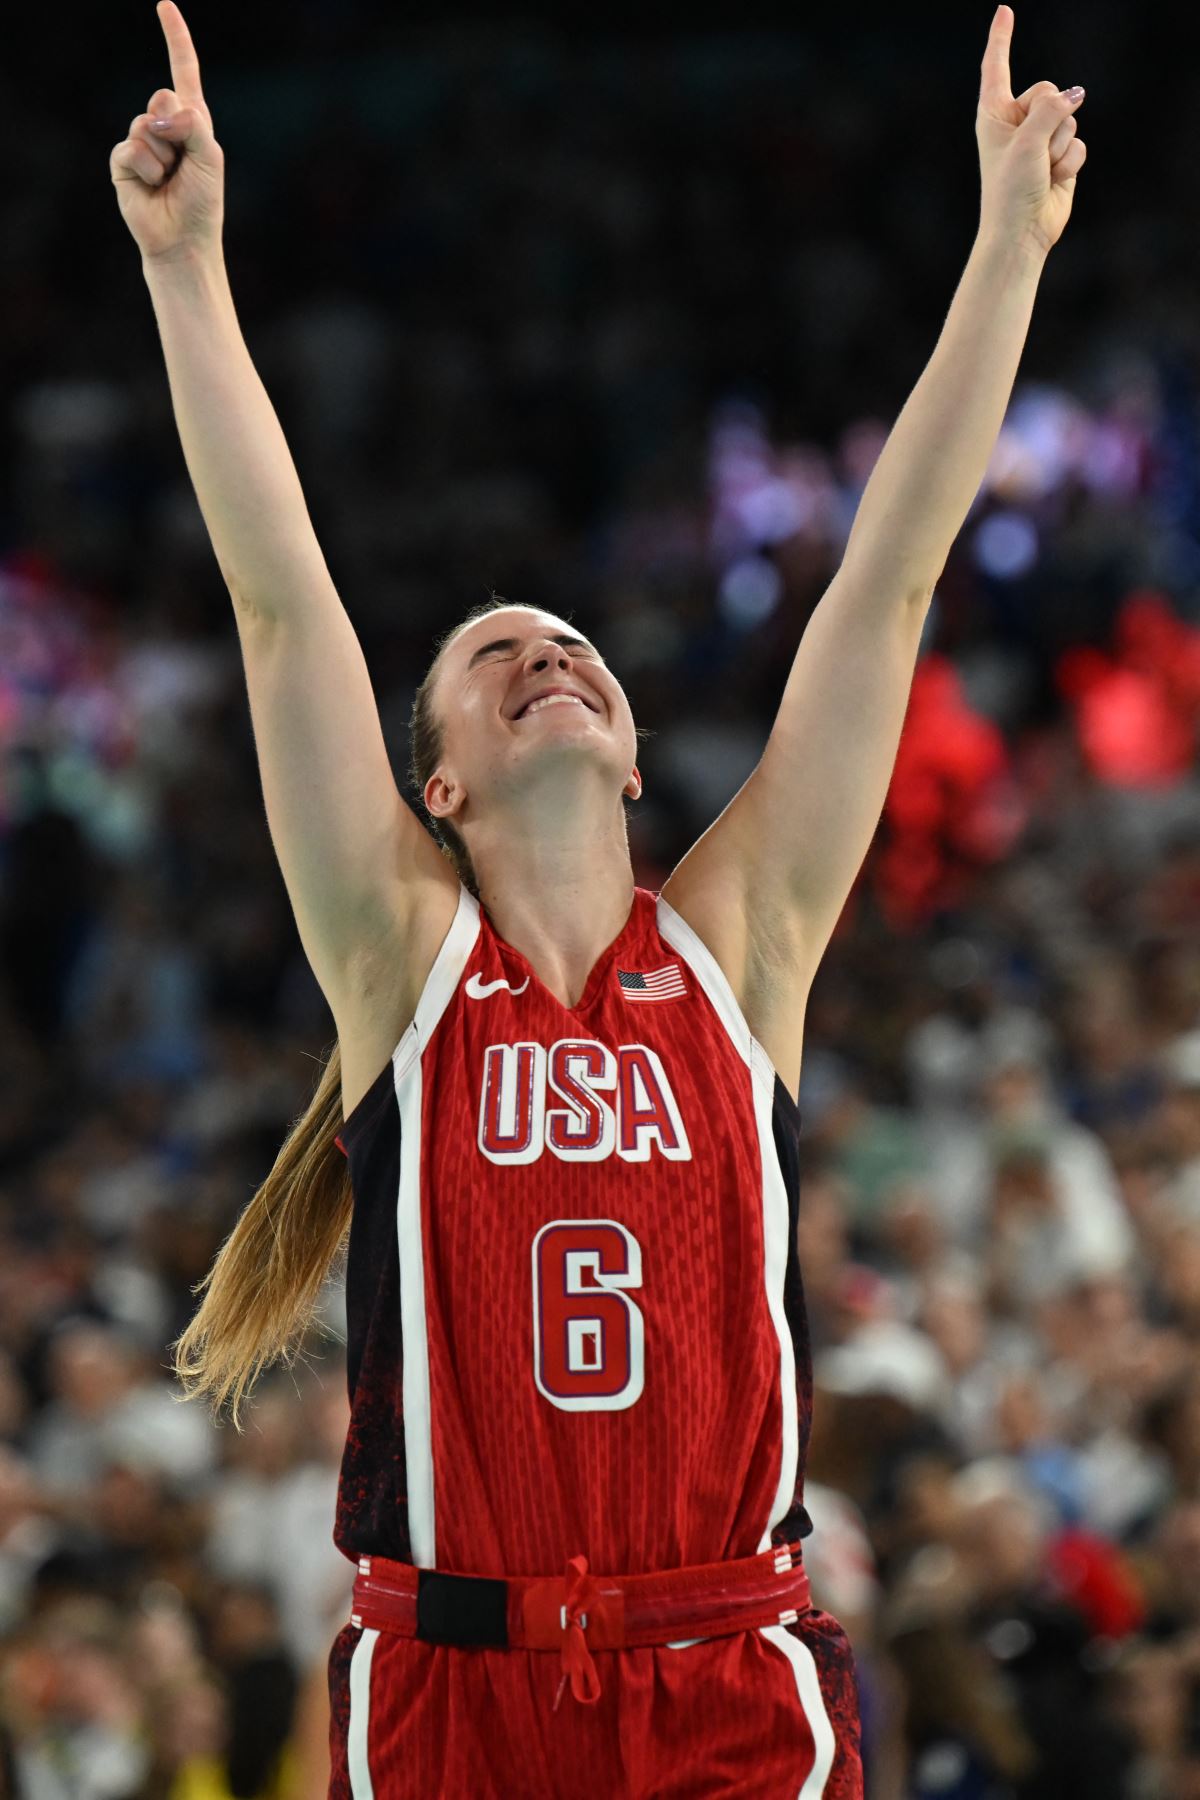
<point>811,1699</point>
<point>359,1730</point>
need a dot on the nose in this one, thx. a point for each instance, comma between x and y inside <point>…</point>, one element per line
<point>550,656</point>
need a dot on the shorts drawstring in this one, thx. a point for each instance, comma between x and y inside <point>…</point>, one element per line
<point>577,1661</point>
<point>579,1613</point>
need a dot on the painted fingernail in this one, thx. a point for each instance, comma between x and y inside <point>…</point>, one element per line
<point>1074,93</point>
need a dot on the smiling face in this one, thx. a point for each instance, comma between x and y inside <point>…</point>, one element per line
<point>523,698</point>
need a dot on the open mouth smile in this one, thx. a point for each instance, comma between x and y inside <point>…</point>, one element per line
<point>560,699</point>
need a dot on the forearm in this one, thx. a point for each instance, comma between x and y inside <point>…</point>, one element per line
<point>237,456</point>
<point>930,469</point>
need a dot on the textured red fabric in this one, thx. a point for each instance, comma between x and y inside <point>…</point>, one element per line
<point>720,1718</point>
<point>686,1469</point>
<point>688,1473</point>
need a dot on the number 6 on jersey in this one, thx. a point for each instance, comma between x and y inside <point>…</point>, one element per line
<point>587,1334</point>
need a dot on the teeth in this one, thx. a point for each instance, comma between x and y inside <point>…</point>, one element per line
<point>551,700</point>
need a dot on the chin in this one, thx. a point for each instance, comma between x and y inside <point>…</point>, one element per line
<point>568,753</point>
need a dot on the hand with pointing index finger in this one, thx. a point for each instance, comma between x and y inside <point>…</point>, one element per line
<point>1029,155</point>
<point>169,172</point>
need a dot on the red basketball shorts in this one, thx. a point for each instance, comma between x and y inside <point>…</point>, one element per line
<point>764,1714</point>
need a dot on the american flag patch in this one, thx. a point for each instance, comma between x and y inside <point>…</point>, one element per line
<point>652,984</point>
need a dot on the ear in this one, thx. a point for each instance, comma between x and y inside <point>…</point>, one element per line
<point>442,798</point>
<point>633,787</point>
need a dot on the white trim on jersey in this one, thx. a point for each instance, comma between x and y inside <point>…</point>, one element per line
<point>439,988</point>
<point>678,933</point>
<point>776,1230</point>
<point>418,1421</point>
<point>808,1686</point>
<point>436,995</point>
<point>447,969</point>
<point>358,1731</point>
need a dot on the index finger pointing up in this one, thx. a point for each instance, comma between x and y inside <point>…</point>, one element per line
<point>996,83</point>
<point>185,65</point>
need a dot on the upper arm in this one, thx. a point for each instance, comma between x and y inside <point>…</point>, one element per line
<point>814,802</point>
<point>773,872</point>
<point>355,859</point>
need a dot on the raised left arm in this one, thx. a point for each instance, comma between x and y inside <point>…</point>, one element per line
<point>784,853</point>
<point>811,808</point>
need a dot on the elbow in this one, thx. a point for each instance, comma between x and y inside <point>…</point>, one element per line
<point>919,600</point>
<point>888,580</point>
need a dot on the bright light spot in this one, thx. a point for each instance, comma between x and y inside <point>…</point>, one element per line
<point>1006,545</point>
<point>773,512</point>
<point>749,593</point>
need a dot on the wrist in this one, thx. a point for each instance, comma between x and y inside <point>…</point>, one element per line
<point>185,263</point>
<point>197,281</point>
<point>1020,243</point>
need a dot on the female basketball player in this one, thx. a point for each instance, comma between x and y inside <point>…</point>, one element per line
<point>578,1362</point>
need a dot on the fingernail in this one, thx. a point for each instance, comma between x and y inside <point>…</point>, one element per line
<point>1074,93</point>
<point>160,124</point>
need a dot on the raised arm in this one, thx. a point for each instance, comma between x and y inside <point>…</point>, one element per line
<point>356,861</point>
<point>770,877</point>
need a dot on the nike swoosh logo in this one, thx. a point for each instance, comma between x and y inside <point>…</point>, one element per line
<point>479,990</point>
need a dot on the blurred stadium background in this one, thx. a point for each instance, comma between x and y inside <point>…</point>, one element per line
<point>616,322</point>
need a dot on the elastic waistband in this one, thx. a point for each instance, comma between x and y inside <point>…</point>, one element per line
<point>578,1612</point>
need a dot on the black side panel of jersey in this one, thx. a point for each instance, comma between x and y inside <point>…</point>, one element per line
<point>785,1127</point>
<point>372,1508</point>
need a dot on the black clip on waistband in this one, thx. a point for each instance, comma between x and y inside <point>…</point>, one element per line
<point>461,1609</point>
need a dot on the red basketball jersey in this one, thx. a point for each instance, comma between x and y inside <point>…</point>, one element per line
<point>575,1317</point>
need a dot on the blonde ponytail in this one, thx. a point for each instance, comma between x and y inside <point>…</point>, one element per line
<point>261,1292</point>
<point>260,1295</point>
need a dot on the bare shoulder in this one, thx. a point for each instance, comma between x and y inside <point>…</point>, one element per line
<point>383,978</point>
<point>760,946</point>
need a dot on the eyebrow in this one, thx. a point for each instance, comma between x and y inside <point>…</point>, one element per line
<point>511,644</point>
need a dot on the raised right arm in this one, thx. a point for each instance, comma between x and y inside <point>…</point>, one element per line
<point>354,857</point>
<point>359,868</point>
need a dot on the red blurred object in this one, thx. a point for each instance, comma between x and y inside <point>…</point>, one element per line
<point>952,807</point>
<point>862,1290</point>
<point>1093,1576</point>
<point>1136,711</point>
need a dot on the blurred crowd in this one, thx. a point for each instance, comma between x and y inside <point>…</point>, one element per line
<point>621,334</point>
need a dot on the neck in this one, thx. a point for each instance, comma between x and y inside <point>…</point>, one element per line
<point>559,899</point>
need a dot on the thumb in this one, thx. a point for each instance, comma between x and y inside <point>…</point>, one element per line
<point>186,129</point>
<point>1049,110</point>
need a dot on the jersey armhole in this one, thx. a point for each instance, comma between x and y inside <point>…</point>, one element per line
<point>436,995</point>
<point>675,929</point>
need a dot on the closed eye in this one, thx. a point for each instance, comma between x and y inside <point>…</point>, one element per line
<point>511,646</point>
